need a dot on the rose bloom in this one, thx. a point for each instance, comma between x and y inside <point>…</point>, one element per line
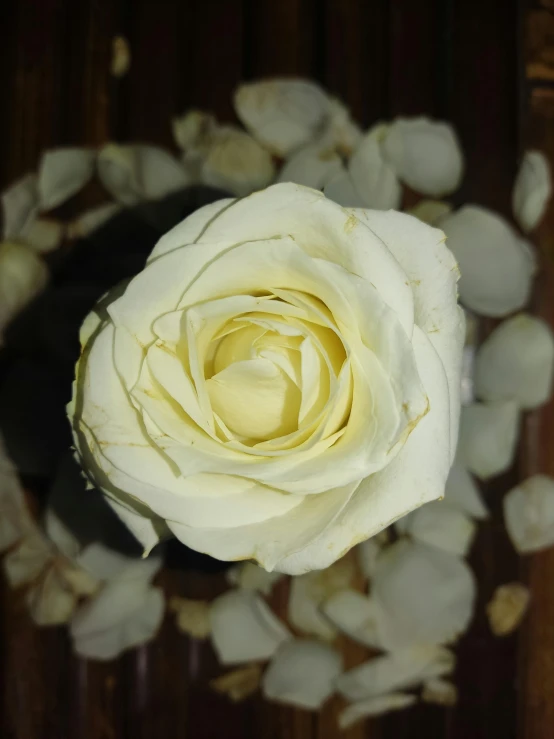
<point>279,383</point>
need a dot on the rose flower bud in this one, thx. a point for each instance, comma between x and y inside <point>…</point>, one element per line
<point>279,383</point>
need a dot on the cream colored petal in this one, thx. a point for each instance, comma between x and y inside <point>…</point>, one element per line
<point>32,554</point>
<point>496,268</point>
<point>249,576</point>
<point>302,673</point>
<point>282,113</point>
<point>426,155</point>
<point>132,173</point>
<point>50,600</point>
<point>396,670</point>
<point>341,129</point>
<point>488,437</point>
<point>341,190</point>
<point>529,514</point>
<point>516,362</point>
<point>62,173</point>
<point>91,220</point>
<point>244,628</point>
<point>383,704</point>
<point>368,552</point>
<point>463,493</point>
<point>43,234</point>
<point>304,607</point>
<point>238,684</point>
<point>532,190</point>
<point>373,178</point>
<point>430,211</point>
<point>426,595</point>
<point>387,495</point>
<point>354,614</point>
<point>20,204</point>
<point>191,229</point>
<point>193,130</point>
<point>507,608</point>
<point>123,615</point>
<point>313,166</point>
<point>440,692</point>
<point>236,162</point>
<point>192,616</point>
<point>432,273</point>
<point>62,537</point>
<point>441,525</point>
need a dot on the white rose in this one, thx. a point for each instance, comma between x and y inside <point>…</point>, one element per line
<point>279,383</point>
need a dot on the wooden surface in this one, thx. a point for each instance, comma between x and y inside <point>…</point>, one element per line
<point>489,68</point>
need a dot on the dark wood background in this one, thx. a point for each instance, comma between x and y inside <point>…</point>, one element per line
<point>487,66</point>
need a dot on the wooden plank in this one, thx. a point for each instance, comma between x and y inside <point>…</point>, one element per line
<point>537,648</point>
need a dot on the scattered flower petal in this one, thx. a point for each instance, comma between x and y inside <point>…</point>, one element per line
<point>132,173</point>
<point>308,592</point>
<point>341,130</point>
<point>315,165</point>
<point>121,57</point>
<point>236,162</point>
<point>43,234</point>
<point>507,608</point>
<point>302,673</point>
<point>24,564</point>
<point>62,173</point>
<point>193,130</point>
<point>496,266</point>
<point>430,211</point>
<point>488,437</point>
<point>440,692</point>
<point>368,553</point>
<point>426,595</point>
<point>356,712</point>
<point>529,514</point>
<point>91,220</point>
<point>341,190</point>
<point>19,205</point>
<point>244,628</point>
<point>355,615</point>
<point>462,492</point>
<point>15,518</point>
<point>107,564</point>
<point>238,684</point>
<point>123,615</point>
<point>373,178</point>
<point>440,525</point>
<point>426,155</point>
<point>516,362</point>
<point>532,190</point>
<point>249,576</point>
<point>283,114</point>
<point>192,616</point>
<point>396,670</point>
<point>51,601</point>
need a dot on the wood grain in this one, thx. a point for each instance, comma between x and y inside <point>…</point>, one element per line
<point>488,69</point>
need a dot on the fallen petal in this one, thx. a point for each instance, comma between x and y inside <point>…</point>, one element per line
<point>368,553</point>
<point>496,266</point>
<point>426,595</point>
<point>373,178</point>
<point>488,437</point>
<point>43,234</point>
<point>396,670</point>
<point>282,114</point>
<point>90,220</point>
<point>238,684</point>
<point>440,525</point>
<point>20,205</point>
<point>430,211</point>
<point>50,600</point>
<point>529,514</point>
<point>356,712</point>
<point>121,57</point>
<point>355,615</point>
<point>507,608</point>
<point>24,564</point>
<point>62,173</point>
<point>426,155</point>
<point>22,277</point>
<point>302,673</point>
<point>251,577</point>
<point>440,692</point>
<point>192,616</point>
<point>532,190</point>
<point>516,362</point>
<point>313,166</point>
<point>462,492</point>
<point>244,628</point>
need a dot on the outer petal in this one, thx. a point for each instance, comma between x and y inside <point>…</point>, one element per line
<point>322,229</point>
<point>432,271</point>
<point>421,467</point>
<point>190,230</point>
